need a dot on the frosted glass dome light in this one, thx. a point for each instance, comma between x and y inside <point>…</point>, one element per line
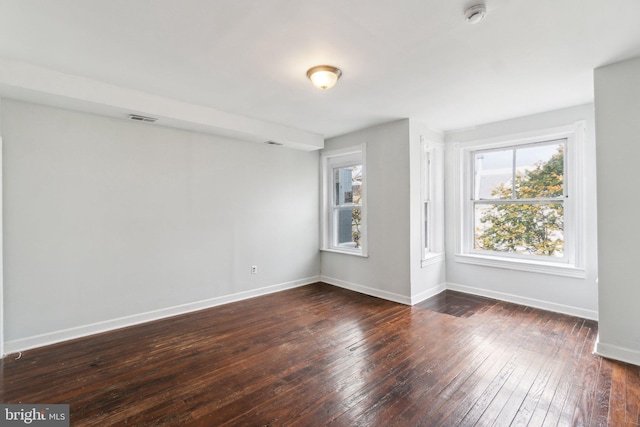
<point>324,76</point>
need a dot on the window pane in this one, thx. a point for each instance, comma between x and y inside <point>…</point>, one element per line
<point>426,225</point>
<point>426,176</point>
<point>493,174</point>
<point>348,227</point>
<point>540,171</point>
<point>348,183</point>
<point>521,228</point>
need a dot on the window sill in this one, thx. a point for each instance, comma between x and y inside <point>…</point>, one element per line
<point>431,258</point>
<point>523,265</point>
<point>345,252</point>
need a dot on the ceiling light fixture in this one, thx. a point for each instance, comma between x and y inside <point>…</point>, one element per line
<point>324,76</point>
<point>475,13</point>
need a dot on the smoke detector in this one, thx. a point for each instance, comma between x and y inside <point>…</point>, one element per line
<point>475,13</point>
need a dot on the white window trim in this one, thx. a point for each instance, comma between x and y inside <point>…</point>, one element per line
<point>330,159</point>
<point>574,210</point>
<point>432,258</point>
<point>471,202</point>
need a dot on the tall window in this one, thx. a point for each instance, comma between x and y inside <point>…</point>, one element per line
<point>521,201</point>
<point>427,205</point>
<point>344,223</point>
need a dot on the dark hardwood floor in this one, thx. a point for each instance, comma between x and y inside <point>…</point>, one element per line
<point>320,355</point>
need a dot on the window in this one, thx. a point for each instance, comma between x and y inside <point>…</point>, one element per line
<point>521,201</point>
<point>427,205</point>
<point>344,222</point>
<point>518,199</point>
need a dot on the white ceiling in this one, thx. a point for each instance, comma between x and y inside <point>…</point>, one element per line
<point>401,58</point>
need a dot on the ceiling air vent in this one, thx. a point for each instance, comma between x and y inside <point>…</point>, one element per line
<point>139,118</point>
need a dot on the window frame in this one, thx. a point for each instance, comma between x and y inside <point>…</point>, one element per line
<point>515,200</point>
<point>330,160</point>
<point>572,263</point>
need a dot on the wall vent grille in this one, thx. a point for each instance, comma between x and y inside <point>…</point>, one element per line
<point>139,118</point>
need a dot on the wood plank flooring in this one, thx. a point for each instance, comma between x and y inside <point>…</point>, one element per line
<point>319,355</point>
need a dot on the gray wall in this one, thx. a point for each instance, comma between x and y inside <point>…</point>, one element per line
<point>106,218</point>
<point>617,95</point>
<point>385,272</point>
<point>393,268</point>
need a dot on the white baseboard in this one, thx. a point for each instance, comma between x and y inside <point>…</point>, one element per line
<point>615,352</point>
<point>390,296</point>
<point>531,302</point>
<point>416,299</point>
<point>23,344</point>
<point>366,290</point>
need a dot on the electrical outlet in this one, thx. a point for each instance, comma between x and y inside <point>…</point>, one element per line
<point>254,269</point>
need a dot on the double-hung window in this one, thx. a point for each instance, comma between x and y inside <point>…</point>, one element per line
<point>427,205</point>
<point>521,202</point>
<point>344,201</point>
<point>518,200</point>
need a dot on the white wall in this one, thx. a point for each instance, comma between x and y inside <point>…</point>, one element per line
<point>575,296</point>
<point>617,97</point>
<point>109,222</point>
<point>385,272</point>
